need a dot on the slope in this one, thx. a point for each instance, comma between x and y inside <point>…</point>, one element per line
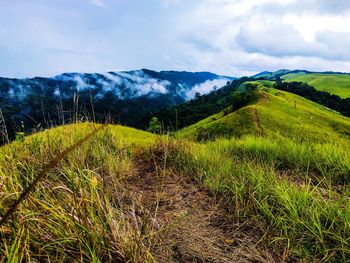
<point>338,84</point>
<point>130,196</point>
<point>274,113</point>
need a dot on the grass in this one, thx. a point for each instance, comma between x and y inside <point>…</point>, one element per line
<point>220,125</point>
<point>338,84</point>
<point>271,187</point>
<point>74,214</point>
<point>328,162</point>
<point>289,182</point>
<point>292,175</point>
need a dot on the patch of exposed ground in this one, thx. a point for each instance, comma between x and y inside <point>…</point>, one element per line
<point>265,97</point>
<point>192,224</point>
<point>259,129</point>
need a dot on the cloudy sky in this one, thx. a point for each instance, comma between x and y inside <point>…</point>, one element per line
<point>231,37</point>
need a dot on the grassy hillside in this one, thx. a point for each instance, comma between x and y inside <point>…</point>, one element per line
<point>75,213</point>
<point>276,113</point>
<point>130,196</point>
<point>338,84</point>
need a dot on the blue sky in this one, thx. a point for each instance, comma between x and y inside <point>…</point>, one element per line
<point>231,37</point>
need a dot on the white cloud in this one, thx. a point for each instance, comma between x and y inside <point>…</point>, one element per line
<point>206,87</point>
<point>142,84</point>
<point>241,37</point>
<point>262,35</point>
<point>133,84</point>
<point>309,25</point>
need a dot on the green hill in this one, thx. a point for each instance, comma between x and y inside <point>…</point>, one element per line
<point>275,113</point>
<point>338,84</point>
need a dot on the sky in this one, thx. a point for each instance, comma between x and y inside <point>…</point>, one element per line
<point>228,37</point>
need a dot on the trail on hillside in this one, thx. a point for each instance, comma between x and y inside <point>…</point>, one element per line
<point>259,129</point>
<point>265,97</point>
<point>193,225</point>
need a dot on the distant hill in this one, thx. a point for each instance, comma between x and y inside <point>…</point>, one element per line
<point>337,83</point>
<point>334,83</point>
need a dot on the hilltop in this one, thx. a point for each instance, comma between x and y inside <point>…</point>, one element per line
<point>274,112</point>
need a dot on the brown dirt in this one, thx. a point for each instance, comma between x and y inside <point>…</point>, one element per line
<point>193,225</point>
<point>265,97</point>
<point>259,129</point>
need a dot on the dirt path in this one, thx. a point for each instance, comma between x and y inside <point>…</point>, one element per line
<point>194,227</point>
<point>259,129</point>
<point>265,97</point>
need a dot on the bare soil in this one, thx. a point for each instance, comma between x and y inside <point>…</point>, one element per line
<point>259,129</point>
<point>192,224</point>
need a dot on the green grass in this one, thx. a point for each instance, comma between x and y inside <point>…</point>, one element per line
<point>338,84</point>
<point>76,213</point>
<point>276,113</point>
<point>220,125</point>
<point>262,83</point>
<point>270,183</point>
<point>289,180</point>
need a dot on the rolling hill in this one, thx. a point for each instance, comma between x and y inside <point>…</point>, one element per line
<point>338,84</point>
<point>333,82</point>
<point>274,113</point>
